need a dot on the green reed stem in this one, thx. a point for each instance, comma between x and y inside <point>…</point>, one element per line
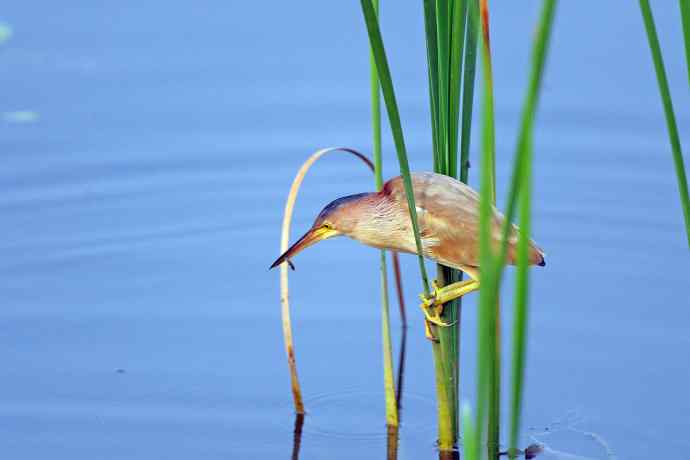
<point>685,15</point>
<point>470,451</point>
<point>524,157</point>
<point>432,69</point>
<point>489,314</point>
<point>376,114</point>
<point>487,297</point>
<point>469,71</point>
<point>447,336</point>
<point>387,345</point>
<point>443,52</point>
<point>388,372</point>
<point>445,36</point>
<point>668,110</point>
<point>457,44</point>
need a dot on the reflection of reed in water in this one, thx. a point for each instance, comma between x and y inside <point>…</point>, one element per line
<point>403,335</point>
<point>392,432</point>
<point>392,442</point>
<point>401,371</point>
<point>448,455</point>
<point>297,436</point>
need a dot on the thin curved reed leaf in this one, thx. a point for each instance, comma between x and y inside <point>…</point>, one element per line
<point>668,109</point>
<point>284,267</point>
<point>523,156</point>
<point>376,43</point>
<point>685,17</point>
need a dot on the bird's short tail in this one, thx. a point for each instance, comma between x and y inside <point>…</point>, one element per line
<point>537,255</point>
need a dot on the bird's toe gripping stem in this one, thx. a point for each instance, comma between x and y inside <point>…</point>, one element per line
<point>432,310</point>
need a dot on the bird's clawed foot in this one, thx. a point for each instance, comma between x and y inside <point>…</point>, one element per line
<point>432,304</point>
<point>430,300</point>
<point>427,332</point>
<point>432,310</point>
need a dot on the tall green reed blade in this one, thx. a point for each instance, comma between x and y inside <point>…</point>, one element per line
<point>524,157</point>
<point>485,256</point>
<point>432,68</point>
<point>443,29</point>
<point>457,43</point>
<point>487,297</point>
<point>470,450</point>
<point>468,75</point>
<point>489,314</point>
<point>450,337</point>
<point>469,70</point>
<point>379,53</point>
<point>445,35</point>
<point>388,379</point>
<point>668,110</point>
<point>446,435</point>
<point>685,15</point>
<point>521,298</point>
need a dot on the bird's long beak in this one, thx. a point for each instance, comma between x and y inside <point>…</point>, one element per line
<point>310,238</point>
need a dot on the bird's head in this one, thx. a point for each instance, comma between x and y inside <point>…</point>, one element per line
<point>339,217</point>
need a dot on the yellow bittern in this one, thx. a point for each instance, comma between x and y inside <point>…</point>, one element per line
<point>448,215</point>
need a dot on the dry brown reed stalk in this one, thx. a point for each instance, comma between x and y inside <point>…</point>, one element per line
<point>284,267</point>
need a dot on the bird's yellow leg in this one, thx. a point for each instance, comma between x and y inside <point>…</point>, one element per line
<point>432,313</point>
<point>427,332</point>
<point>432,305</point>
<point>454,291</point>
<point>445,294</point>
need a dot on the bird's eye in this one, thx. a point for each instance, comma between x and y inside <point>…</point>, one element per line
<point>327,226</point>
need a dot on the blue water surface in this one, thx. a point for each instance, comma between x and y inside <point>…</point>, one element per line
<point>148,148</point>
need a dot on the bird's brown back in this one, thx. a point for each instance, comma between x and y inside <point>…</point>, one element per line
<point>448,213</point>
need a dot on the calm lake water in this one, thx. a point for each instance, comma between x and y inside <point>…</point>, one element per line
<point>148,148</point>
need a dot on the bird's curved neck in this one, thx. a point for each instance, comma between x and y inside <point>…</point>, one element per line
<point>381,223</point>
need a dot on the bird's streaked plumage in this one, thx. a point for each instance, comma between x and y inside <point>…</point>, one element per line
<point>447,212</point>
